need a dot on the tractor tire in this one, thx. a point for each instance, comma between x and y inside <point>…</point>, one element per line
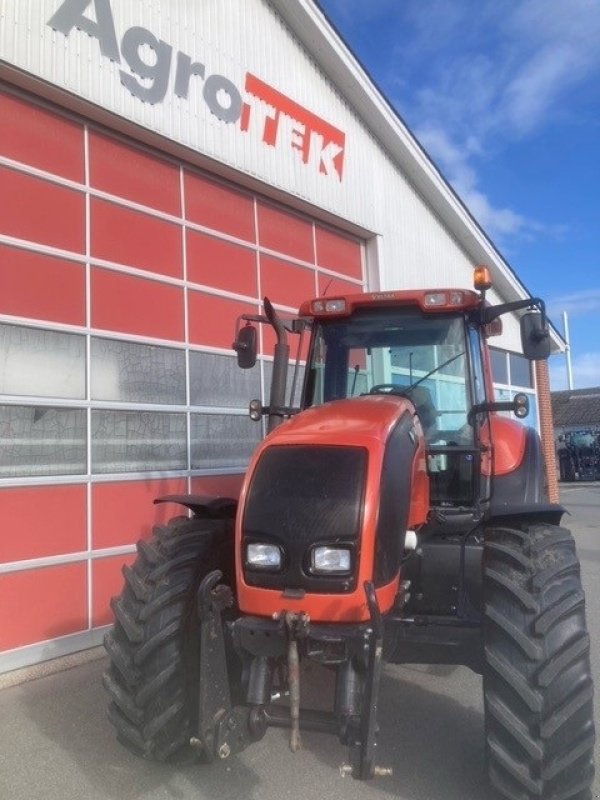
<point>538,689</point>
<point>152,679</point>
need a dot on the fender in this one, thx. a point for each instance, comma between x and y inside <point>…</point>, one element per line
<point>203,505</point>
<point>518,481</point>
<point>508,439</point>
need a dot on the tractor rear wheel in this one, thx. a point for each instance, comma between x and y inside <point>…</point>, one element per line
<point>152,679</point>
<point>537,676</point>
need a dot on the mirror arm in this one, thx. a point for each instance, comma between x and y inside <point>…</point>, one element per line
<point>519,405</point>
<point>491,312</point>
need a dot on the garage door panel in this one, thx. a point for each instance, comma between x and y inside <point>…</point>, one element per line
<point>37,210</point>
<point>41,604</point>
<point>41,287</point>
<point>43,139</point>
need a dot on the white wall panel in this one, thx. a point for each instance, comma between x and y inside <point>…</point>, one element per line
<point>233,38</point>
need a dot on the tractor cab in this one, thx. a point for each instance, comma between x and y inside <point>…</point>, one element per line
<point>431,357</point>
<point>427,346</point>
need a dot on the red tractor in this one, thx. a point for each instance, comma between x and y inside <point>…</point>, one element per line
<point>394,516</point>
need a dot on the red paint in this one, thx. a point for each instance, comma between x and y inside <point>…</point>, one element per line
<point>290,125</point>
<point>367,424</point>
<point>419,496</point>
<point>508,445</point>
<point>218,485</point>
<point>107,582</point>
<point>134,239</point>
<point>284,283</point>
<point>40,138</point>
<point>123,512</point>
<point>389,299</point>
<point>338,253</point>
<point>135,305</point>
<point>212,319</point>
<point>42,521</point>
<point>41,287</point>
<point>40,211</point>
<point>127,171</point>
<point>285,233</point>
<point>219,207</point>
<point>334,287</point>
<point>40,604</point>
<point>221,264</point>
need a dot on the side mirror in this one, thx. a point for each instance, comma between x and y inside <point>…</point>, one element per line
<point>535,337</point>
<point>245,347</point>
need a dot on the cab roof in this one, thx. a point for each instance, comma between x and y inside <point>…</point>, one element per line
<point>428,300</point>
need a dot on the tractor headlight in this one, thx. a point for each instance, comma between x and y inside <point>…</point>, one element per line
<point>264,556</point>
<point>330,560</point>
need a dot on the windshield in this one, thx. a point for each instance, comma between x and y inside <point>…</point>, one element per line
<point>398,351</point>
<point>583,440</point>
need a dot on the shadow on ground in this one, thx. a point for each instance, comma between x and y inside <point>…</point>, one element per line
<point>432,739</point>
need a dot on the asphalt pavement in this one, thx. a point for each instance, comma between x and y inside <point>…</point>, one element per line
<point>55,741</point>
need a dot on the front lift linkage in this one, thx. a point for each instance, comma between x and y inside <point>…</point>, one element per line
<point>225,729</point>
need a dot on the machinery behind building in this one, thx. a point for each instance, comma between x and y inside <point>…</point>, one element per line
<point>579,455</point>
<point>394,516</point>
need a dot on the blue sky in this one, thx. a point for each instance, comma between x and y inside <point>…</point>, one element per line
<point>505,97</point>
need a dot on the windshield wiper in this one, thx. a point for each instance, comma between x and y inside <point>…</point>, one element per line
<point>434,370</point>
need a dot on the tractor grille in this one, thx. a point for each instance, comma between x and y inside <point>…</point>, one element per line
<point>302,496</point>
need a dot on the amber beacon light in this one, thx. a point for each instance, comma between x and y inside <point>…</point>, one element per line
<point>482,279</point>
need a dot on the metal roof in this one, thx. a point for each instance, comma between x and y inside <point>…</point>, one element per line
<point>576,407</point>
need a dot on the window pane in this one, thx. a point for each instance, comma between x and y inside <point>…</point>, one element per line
<point>398,347</point>
<point>41,363</point>
<point>499,368</point>
<point>218,381</point>
<point>136,441</point>
<point>223,440</point>
<point>520,370</point>
<point>137,373</point>
<point>503,395</point>
<point>40,440</point>
<point>413,359</point>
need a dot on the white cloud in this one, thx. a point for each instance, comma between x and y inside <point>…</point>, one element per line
<point>586,301</point>
<point>586,371</point>
<point>454,163</point>
<point>469,78</point>
<point>496,75</point>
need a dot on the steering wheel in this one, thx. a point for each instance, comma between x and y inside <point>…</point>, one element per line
<point>390,388</point>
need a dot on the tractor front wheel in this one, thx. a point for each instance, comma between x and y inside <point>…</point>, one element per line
<point>152,679</point>
<point>537,676</point>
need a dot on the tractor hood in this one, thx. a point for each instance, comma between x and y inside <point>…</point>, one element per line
<point>349,474</point>
<point>345,421</point>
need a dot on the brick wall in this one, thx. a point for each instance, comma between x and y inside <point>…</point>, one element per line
<point>547,427</point>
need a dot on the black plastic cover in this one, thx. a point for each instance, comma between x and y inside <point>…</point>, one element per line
<point>394,501</point>
<point>302,496</point>
<point>526,484</point>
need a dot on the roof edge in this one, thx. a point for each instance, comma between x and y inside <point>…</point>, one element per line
<point>320,38</point>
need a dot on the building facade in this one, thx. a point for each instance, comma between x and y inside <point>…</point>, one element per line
<point>163,166</point>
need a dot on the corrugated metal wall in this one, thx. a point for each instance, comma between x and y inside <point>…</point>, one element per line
<point>233,39</point>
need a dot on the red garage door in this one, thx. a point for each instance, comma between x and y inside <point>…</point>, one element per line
<point>121,276</point>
